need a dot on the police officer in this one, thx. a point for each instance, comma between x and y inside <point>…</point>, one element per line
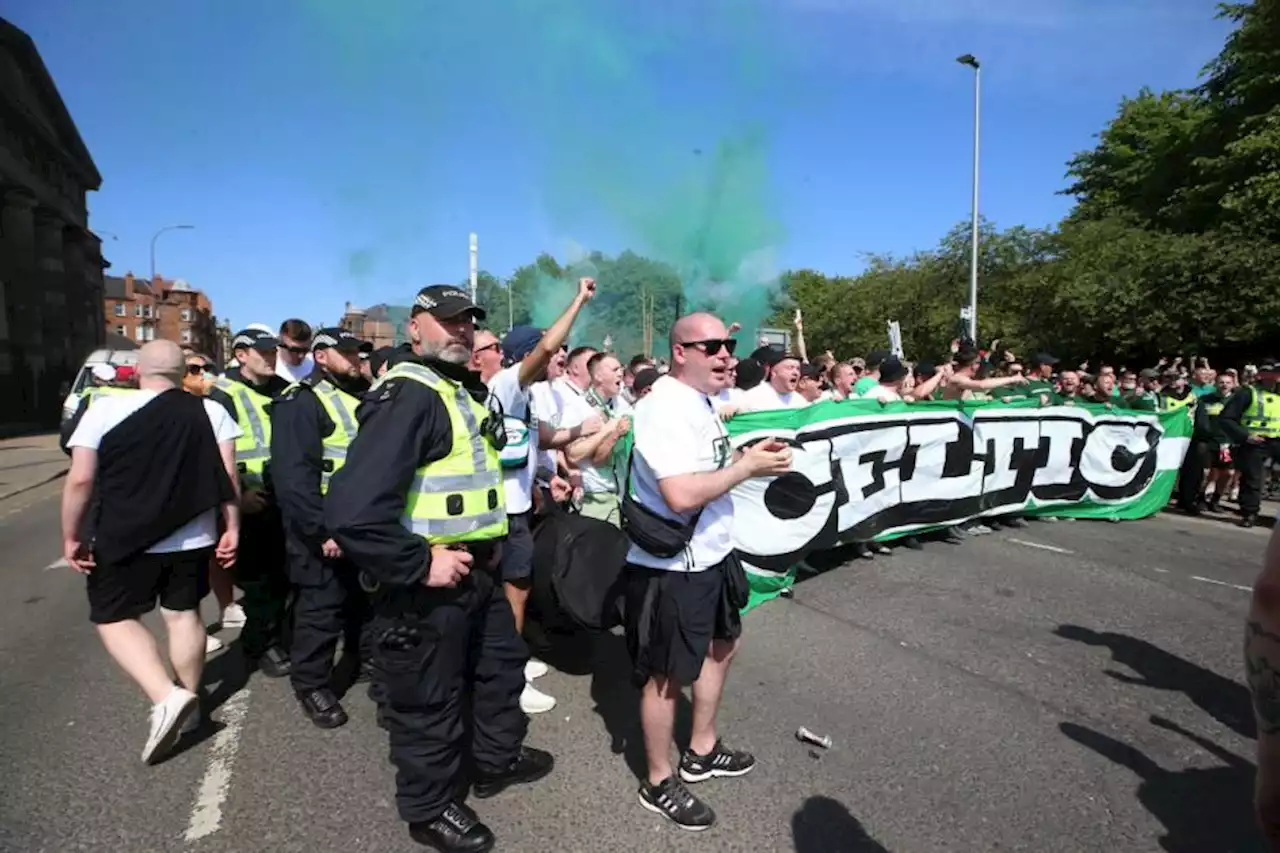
<point>419,508</point>
<point>246,391</point>
<point>1251,420</point>
<point>312,424</point>
<point>113,380</point>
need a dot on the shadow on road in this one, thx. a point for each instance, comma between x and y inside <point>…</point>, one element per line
<point>1201,809</point>
<point>1223,699</point>
<point>823,825</point>
<point>224,674</point>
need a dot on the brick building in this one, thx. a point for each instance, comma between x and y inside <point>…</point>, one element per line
<point>381,325</point>
<point>162,309</point>
<point>50,262</point>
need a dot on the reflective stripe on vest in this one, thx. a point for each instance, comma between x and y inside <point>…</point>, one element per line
<point>1263,415</point>
<point>1213,409</point>
<point>341,409</point>
<point>1171,403</point>
<point>458,498</point>
<point>253,447</point>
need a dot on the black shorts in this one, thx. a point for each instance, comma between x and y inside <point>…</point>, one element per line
<point>128,589</point>
<point>671,619</point>
<point>517,549</point>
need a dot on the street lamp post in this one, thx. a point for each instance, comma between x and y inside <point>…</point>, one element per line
<point>156,236</point>
<point>972,61</point>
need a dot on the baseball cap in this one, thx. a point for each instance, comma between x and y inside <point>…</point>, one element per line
<point>644,378</point>
<point>926,369</point>
<point>125,373</point>
<point>252,338</point>
<point>519,342</point>
<point>809,370</point>
<point>877,357</point>
<point>444,302</point>
<point>1043,358</point>
<point>1149,373</point>
<point>767,355</point>
<point>338,339</point>
<point>892,369</point>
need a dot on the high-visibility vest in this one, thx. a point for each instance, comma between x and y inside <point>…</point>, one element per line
<point>1213,409</point>
<point>1263,415</point>
<point>458,498</point>
<point>341,409</point>
<point>253,447</point>
<point>1171,403</point>
<point>91,394</point>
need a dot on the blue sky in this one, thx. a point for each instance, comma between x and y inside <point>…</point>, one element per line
<point>326,155</point>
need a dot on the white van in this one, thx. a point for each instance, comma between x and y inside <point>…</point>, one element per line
<point>113,357</point>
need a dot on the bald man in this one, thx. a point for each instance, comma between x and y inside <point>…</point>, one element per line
<point>162,463</point>
<point>685,588</point>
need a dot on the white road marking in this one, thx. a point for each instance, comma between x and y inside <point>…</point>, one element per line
<point>60,563</point>
<point>1221,583</point>
<point>1161,571</point>
<point>1054,548</point>
<point>206,813</point>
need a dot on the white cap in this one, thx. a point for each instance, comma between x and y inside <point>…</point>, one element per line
<point>261,327</point>
<point>104,372</point>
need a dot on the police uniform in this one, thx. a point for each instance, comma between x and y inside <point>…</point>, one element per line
<point>312,424</point>
<point>424,469</point>
<point>1252,413</point>
<point>259,568</point>
<point>1200,450</point>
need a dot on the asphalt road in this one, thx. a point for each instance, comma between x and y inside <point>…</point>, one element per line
<point>1068,687</point>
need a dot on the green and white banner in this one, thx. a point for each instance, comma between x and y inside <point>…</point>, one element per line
<point>864,470</point>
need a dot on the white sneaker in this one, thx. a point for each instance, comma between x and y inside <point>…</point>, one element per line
<point>167,718</point>
<point>534,701</point>
<point>233,616</point>
<point>212,644</point>
<point>535,669</point>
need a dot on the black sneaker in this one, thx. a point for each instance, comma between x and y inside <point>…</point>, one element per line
<point>671,799</point>
<point>457,830</point>
<point>721,762</point>
<point>322,708</point>
<point>529,766</point>
<point>273,663</point>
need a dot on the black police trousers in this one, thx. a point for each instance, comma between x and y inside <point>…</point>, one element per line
<point>1191,475</point>
<point>1252,459</point>
<point>328,604</point>
<point>260,572</point>
<point>442,656</point>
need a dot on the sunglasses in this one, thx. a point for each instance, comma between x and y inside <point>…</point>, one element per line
<point>713,347</point>
<point>196,369</point>
<point>296,350</point>
<point>495,346</point>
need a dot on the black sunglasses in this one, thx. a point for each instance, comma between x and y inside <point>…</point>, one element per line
<point>713,347</point>
<point>196,369</point>
<point>296,350</point>
<point>493,346</point>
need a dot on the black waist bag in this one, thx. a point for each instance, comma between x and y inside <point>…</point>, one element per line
<point>578,578</point>
<point>654,534</point>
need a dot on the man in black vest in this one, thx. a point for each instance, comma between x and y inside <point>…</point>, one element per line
<point>162,463</point>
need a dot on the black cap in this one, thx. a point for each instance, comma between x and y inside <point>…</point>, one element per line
<point>254,339</point>
<point>877,357</point>
<point>926,369</point>
<point>892,369</point>
<point>519,342</point>
<point>1043,358</point>
<point>338,339</point>
<point>810,370</point>
<point>445,301</point>
<point>767,355</point>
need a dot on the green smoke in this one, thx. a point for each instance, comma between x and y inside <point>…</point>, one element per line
<point>640,118</point>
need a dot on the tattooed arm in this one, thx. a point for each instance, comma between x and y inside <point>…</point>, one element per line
<point>1262,666</point>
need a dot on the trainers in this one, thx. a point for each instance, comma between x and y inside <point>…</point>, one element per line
<point>212,644</point>
<point>671,799</point>
<point>720,762</point>
<point>535,669</point>
<point>233,616</point>
<point>979,529</point>
<point>534,701</point>
<point>167,719</point>
<point>529,765</point>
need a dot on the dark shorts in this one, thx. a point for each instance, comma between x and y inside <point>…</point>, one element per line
<point>128,589</point>
<point>671,619</point>
<point>517,548</point>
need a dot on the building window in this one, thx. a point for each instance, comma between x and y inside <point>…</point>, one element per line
<point>141,332</point>
<point>186,336</point>
<point>120,309</point>
<point>147,312</point>
<point>122,331</point>
<point>137,310</point>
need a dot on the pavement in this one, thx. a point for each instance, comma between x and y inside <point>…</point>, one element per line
<point>1072,686</point>
<point>28,462</point>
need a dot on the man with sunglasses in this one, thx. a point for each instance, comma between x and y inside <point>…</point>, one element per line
<point>246,392</point>
<point>312,424</point>
<point>419,507</point>
<point>682,624</point>
<point>295,362</point>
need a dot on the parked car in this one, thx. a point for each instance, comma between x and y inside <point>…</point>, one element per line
<point>109,357</point>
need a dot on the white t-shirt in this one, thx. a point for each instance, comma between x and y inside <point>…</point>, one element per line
<point>548,403</point>
<point>678,432</point>
<point>107,412</point>
<point>576,410</point>
<point>521,427</point>
<point>884,394</point>
<point>764,397</point>
<point>292,374</point>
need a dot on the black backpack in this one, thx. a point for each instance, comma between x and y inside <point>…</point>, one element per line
<point>578,577</point>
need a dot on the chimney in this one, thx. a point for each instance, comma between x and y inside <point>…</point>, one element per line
<point>128,285</point>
